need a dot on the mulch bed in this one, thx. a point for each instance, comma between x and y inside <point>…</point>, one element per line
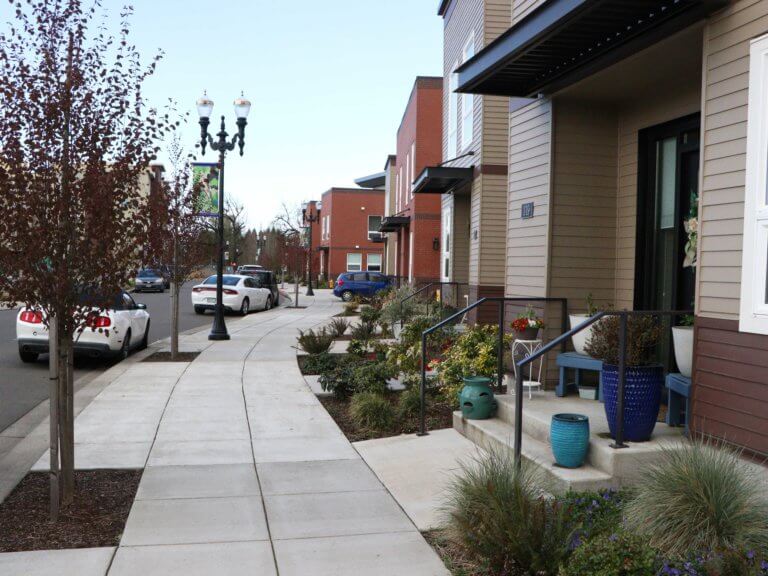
<point>97,517</point>
<point>454,559</point>
<point>166,357</point>
<point>439,415</point>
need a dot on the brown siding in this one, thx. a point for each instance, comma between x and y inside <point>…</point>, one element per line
<point>730,398</point>
<point>521,8</point>
<point>724,118</point>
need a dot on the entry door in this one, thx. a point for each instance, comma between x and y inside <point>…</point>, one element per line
<point>668,185</point>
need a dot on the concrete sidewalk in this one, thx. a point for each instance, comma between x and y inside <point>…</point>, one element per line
<point>245,472</point>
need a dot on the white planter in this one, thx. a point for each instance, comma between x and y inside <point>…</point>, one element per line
<point>580,339</point>
<point>397,329</point>
<point>682,336</point>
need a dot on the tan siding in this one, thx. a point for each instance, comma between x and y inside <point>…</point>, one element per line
<point>724,129</point>
<point>583,253</point>
<point>521,8</point>
<point>529,181</point>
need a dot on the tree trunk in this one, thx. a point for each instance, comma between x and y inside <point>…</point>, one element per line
<point>53,400</point>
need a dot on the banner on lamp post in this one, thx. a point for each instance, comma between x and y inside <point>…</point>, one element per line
<point>205,178</point>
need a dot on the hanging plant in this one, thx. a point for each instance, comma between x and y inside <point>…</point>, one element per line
<point>691,226</point>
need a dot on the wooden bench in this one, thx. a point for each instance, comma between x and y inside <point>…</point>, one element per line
<point>577,363</point>
<point>678,399</point>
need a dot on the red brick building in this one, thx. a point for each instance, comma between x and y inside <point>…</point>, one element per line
<point>349,224</point>
<point>415,223</point>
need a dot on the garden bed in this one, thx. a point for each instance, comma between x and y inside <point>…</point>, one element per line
<point>96,518</point>
<point>165,356</point>
<point>439,415</point>
<point>303,359</point>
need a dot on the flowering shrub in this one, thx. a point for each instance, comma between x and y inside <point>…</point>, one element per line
<point>594,513</point>
<point>527,319</point>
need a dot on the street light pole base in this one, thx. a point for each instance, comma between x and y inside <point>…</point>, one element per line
<point>310,292</point>
<point>218,336</point>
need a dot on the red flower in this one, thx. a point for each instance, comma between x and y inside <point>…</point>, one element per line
<point>520,324</point>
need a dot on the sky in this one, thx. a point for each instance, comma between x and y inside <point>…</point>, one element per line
<point>329,82</point>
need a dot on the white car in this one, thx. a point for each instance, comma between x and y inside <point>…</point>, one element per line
<point>241,294</point>
<point>109,333</point>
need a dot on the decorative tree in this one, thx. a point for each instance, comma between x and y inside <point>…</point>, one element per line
<point>76,139</point>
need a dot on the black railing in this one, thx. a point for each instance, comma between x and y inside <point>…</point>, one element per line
<point>502,302</point>
<point>425,288</point>
<point>562,340</point>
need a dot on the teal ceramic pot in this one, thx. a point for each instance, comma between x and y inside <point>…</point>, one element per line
<point>569,436</point>
<point>476,398</point>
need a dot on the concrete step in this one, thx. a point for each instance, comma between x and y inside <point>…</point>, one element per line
<point>496,434</point>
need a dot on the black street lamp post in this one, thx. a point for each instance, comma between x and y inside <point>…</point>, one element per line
<point>309,219</point>
<point>222,146</point>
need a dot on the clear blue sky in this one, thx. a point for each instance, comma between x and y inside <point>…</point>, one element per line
<point>329,82</point>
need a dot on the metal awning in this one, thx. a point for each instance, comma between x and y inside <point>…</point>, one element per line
<point>441,179</point>
<point>372,181</point>
<point>393,223</point>
<point>564,41</point>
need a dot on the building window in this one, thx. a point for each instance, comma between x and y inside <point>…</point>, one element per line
<point>453,111</point>
<point>374,262</point>
<point>354,262</point>
<point>398,195</point>
<point>407,186</point>
<point>412,175</point>
<point>374,225</point>
<point>410,256</point>
<point>753,316</point>
<point>467,101</point>
<point>446,244</point>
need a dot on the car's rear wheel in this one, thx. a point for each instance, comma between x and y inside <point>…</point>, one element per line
<point>28,357</point>
<point>199,310</point>
<point>126,348</point>
<point>145,340</point>
<point>268,303</point>
<point>347,295</point>
<point>245,307</point>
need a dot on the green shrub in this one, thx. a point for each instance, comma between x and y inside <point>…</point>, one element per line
<point>405,354</point>
<point>357,348</point>
<point>339,327</point>
<point>595,513</point>
<point>621,554</point>
<point>497,514</point>
<point>350,309</point>
<point>700,497</point>
<point>319,363</point>
<point>395,310</point>
<point>409,403</point>
<point>315,342</point>
<point>364,331</point>
<point>340,380</point>
<point>372,377</point>
<point>369,315</point>
<point>373,411</point>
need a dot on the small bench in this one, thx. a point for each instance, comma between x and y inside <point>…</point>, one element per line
<point>577,362</point>
<point>678,399</point>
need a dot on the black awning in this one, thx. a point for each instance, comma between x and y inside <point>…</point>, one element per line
<point>564,41</point>
<point>441,179</point>
<point>393,223</point>
<point>372,181</point>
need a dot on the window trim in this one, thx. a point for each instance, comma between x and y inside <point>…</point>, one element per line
<point>360,265</point>
<point>374,233</point>
<point>453,112</point>
<point>467,102</point>
<point>412,175</point>
<point>753,307</point>
<point>368,262</point>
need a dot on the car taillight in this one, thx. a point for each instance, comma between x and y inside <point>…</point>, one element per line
<point>95,321</point>
<point>32,317</point>
<point>197,289</point>
<point>231,292</point>
<point>340,282</point>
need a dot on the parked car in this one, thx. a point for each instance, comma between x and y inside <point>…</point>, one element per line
<point>149,280</point>
<point>244,269</point>
<point>265,279</point>
<point>113,332</point>
<point>241,294</point>
<point>364,284</point>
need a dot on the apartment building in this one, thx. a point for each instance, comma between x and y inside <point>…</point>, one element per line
<point>413,225</point>
<point>471,178</point>
<point>349,231</point>
<point>631,127</point>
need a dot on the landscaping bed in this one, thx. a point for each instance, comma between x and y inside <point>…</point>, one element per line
<point>165,356</point>
<point>439,415</point>
<point>96,518</point>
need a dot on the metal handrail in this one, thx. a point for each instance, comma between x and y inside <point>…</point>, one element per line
<point>502,301</point>
<point>562,340</point>
<point>426,287</point>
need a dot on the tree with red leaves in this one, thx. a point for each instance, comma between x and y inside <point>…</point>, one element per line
<point>76,139</point>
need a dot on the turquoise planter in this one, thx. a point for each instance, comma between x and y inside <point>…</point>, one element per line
<point>569,436</point>
<point>476,398</point>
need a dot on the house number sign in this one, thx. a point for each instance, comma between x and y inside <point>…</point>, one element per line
<point>526,211</point>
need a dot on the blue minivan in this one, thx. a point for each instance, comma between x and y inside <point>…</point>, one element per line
<point>363,284</point>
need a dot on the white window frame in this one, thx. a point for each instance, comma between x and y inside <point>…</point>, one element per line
<point>376,267</point>
<point>445,248</point>
<point>371,232</point>
<point>359,266</point>
<point>453,113</point>
<point>412,175</point>
<point>753,313</point>
<point>410,256</point>
<point>467,100</point>
<point>407,185</point>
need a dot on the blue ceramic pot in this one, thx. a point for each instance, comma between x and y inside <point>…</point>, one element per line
<point>569,436</point>
<point>642,399</point>
<point>476,398</point>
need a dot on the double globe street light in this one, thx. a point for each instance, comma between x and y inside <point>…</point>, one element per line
<point>222,145</point>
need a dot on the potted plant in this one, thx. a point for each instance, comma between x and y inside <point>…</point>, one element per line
<point>580,339</point>
<point>682,337</point>
<point>644,377</point>
<point>527,325</point>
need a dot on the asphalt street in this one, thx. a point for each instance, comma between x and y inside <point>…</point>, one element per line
<point>24,386</point>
